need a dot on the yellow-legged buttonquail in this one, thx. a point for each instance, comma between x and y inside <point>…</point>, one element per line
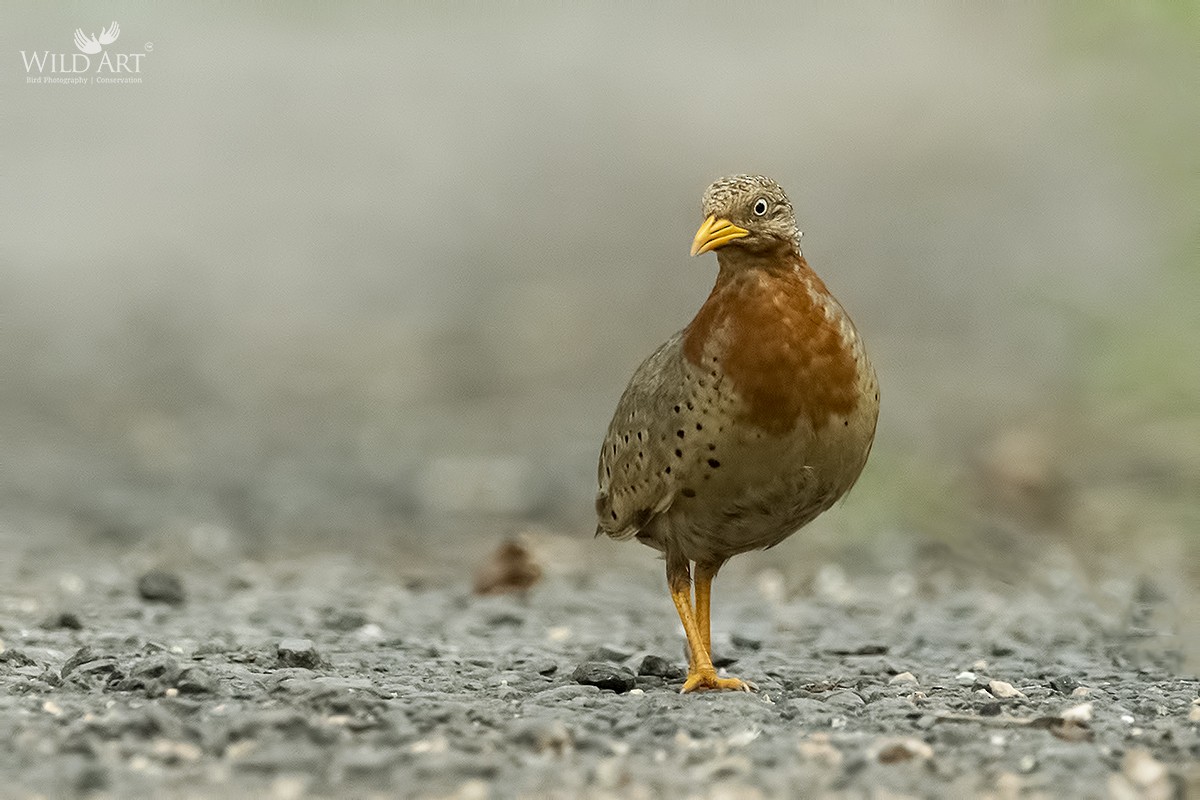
<point>749,422</point>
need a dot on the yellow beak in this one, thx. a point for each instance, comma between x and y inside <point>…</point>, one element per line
<point>716,233</point>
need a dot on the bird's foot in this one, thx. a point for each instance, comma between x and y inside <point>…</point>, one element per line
<point>707,680</point>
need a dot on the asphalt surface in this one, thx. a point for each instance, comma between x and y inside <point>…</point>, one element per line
<point>352,677</point>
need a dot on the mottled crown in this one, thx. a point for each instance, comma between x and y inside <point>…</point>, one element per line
<point>733,196</point>
<point>726,192</point>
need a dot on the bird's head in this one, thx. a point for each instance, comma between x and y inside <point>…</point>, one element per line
<point>747,212</point>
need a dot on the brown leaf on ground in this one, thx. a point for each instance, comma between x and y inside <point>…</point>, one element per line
<point>894,751</point>
<point>511,568</point>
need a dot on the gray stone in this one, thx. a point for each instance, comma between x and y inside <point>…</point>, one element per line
<point>660,667</point>
<point>1063,684</point>
<point>81,656</point>
<point>68,620</point>
<point>297,653</point>
<point>605,676</point>
<point>746,640</point>
<point>845,699</point>
<point>196,680</point>
<point>161,587</point>
<point>16,658</point>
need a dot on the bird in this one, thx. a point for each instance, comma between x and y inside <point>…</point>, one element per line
<point>747,424</point>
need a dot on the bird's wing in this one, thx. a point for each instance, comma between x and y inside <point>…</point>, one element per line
<point>86,44</point>
<point>109,36</point>
<point>634,474</point>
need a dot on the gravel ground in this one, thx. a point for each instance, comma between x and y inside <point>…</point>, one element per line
<point>333,676</point>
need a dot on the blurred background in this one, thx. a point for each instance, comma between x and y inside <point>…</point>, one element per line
<point>371,280</point>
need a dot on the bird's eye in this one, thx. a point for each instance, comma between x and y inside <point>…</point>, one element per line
<point>760,206</point>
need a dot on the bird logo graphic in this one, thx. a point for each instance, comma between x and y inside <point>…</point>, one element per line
<point>94,44</point>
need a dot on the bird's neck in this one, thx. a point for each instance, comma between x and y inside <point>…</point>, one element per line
<point>783,261</point>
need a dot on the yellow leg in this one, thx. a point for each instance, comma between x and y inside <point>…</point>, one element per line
<point>702,675</point>
<point>704,578</point>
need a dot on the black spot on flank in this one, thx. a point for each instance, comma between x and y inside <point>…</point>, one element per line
<point>877,397</point>
<point>639,436</point>
<point>640,455</point>
<point>688,492</point>
<point>699,427</point>
<point>627,438</point>
<point>679,433</point>
<point>846,423</point>
<point>614,515</point>
<point>677,409</point>
<point>678,453</point>
<point>712,462</point>
<point>712,446</point>
<point>689,405</point>
<point>713,373</point>
<point>608,472</point>
<point>667,470</point>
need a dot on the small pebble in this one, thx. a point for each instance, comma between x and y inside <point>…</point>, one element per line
<point>545,666</point>
<point>966,678</point>
<point>196,680</point>
<point>1079,713</point>
<point>746,641</point>
<point>1063,684</point>
<point>82,656</point>
<point>297,653</point>
<point>845,699</point>
<point>904,677</point>
<point>65,619</point>
<point>604,676</point>
<point>989,709</point>
<point>161,587</point>
<point>1003,689</point>
<point>660,667</point>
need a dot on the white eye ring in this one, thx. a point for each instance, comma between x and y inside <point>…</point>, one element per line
<point>760,206</point>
